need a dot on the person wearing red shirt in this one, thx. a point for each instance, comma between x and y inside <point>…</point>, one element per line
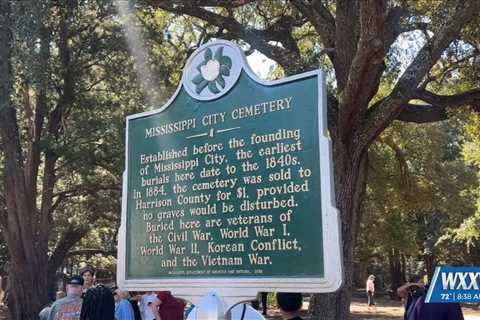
<point>167,307</point>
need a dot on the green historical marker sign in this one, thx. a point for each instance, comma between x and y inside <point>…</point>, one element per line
<point>228,187</point>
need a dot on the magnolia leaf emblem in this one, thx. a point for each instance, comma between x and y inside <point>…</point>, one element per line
<point>212,71</point>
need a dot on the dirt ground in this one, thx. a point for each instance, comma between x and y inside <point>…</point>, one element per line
<point>386,310</point>
<point>391,310</point>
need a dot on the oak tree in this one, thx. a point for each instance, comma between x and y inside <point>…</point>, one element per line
<point>357,38</point>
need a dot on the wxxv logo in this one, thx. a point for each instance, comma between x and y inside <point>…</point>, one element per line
<point>455,284</point>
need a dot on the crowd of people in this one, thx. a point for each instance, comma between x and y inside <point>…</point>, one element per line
<point>83,300</point>
<point>412,294</point>
<point>86,301</point>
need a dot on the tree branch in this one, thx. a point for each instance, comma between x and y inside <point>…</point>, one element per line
<point>55,118</point>
<point>61,196</point>
<point>346,38</point>
<point>422,114</point>
<point>208,3</point>
<point>382,114</point>
<point>399,155</point>
<point>67,240</point>
<point>34,149</point>
<point>83,190</point>
<point>438,105</point>
<point>27,106</point>
<point>90,252</point>
<point>449,69</point>
<point>367,66</point>
<point>288,57</point>
<point>3,212</point>
<point>332,115</point>
<point>393,26</point>
<point>322,20</point>
<point>469,97</point>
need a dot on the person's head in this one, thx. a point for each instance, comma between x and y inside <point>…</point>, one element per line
<point>98,304</point>
<point>119,294</point>
<point>416,291</point>
<point>87,273</point>
<point>371,277</point>
<point>289,302</point>
<point>75,285</point>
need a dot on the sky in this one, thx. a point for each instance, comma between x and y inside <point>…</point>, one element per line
<point>260,64</point>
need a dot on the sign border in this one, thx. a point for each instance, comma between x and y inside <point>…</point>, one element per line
<point>233,290</point>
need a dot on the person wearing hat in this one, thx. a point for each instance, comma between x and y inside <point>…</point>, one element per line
<point>69,308</point>
<point>88,274</point>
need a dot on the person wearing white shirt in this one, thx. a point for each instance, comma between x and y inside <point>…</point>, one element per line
<point>370,288</point>
<point>145,309</point>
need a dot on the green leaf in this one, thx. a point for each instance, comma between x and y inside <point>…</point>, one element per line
<point>219,54</point>
<point>213,88</point>
<point>201,86</point>
<point>197,79</point>
<point>221,81</point>
<point>226,61</point>
<point>224,71</point>
<point>208,54</point>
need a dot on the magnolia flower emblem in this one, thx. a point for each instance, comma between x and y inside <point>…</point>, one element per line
<point>212,70</point>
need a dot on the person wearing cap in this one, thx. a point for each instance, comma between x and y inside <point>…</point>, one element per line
<point>69,308</point>
<point>88,274</point>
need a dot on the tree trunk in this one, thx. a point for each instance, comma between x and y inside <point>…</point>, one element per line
<point>27,290</point>
<point>28,271</point>
<point>350,185</point>
<point>396,276</point>
<point>27,274</point>
<point>429,260</point>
